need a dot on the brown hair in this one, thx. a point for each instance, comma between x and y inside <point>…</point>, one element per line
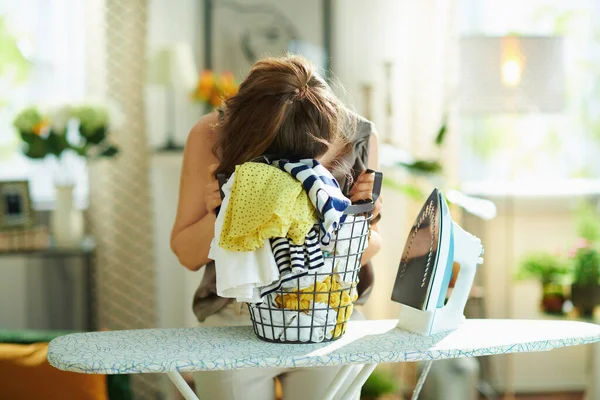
<point>282,110</point>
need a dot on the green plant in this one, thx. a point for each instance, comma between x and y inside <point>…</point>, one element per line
<point>47,134</point>
<point>419,167</point>
<point>380,383</point>
<point>585,255</point>
<point>548,268</point>
<point>14,67</point>
<point>588,223</point>
<point>586,266</point>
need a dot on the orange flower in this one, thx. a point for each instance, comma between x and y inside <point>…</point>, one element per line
<point>206,86</point>
<point>214,89</point>
<point>216,100</point>
<point>227,85</point>
<point>40,128</point>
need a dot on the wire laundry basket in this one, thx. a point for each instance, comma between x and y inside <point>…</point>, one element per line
<point>316,306</point>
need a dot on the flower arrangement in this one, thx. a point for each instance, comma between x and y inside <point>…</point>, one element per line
<point>50,133</point>
<point>213,89</point>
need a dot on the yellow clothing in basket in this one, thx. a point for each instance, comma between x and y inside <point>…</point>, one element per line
<point>265,202</point>
<point>323,292</point>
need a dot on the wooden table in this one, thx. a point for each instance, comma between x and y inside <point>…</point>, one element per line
<point>366,343</point>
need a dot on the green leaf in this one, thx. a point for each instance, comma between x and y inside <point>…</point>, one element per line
<point>56,143</point>
<point>36,149</point>
<point>80,150</point>
<point>439,139</point>
<point>96,136</point>
<point>110,151</point>
<point>35,146</point>
<point>548,268</point>
<point>412,191</point>
<point>586,266</point>
<point>30,137</point>
<point>423,166</point>
<point>12,62</point>
<point>380,383</point>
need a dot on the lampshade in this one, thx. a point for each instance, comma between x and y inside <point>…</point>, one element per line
<point>511,74</point>
<point>173,66</point>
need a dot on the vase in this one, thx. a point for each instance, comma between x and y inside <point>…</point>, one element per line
<point>585,298</point>
<point>66,221</point>
<point>553,298</point>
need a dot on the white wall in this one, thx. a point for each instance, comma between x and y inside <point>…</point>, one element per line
<point>170,22</point>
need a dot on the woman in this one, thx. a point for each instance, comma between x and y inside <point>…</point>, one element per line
<point>282,107</point>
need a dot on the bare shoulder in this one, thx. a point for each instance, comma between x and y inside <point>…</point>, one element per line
<point>198,154</point>
<point>204,133</point>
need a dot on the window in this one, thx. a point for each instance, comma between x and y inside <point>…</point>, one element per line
<point>526,147</point>
<point>50,35</point>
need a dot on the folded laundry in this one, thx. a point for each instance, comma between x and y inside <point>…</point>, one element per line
<point>265,202</point>
<point>241,274</point>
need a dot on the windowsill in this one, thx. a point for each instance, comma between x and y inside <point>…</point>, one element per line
<point>533,189</point>
<point>49,204</point>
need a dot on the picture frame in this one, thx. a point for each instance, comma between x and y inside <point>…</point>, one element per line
<point>239,32</point>
<point>16,210</point>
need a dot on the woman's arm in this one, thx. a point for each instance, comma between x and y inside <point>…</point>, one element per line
<point>193,229</point>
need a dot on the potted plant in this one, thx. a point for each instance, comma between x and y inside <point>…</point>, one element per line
<point>52,134</point>
<point>552,272</point>
<point>380,385</point>
<point>585,259</point>
<point>585,289</point>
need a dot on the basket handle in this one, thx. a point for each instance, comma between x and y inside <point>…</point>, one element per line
<point>376,184</point>
<point>222,179</point>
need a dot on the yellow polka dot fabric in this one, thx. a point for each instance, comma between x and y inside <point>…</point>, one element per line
<point>329,291</point>
<point>265,202</point>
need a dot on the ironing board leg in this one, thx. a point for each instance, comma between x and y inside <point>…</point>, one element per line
<point>182,385</point>
<point>360,380</point>
<point>421,380</point>
<point>339,380</point>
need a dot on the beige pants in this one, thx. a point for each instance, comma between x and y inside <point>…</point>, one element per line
<point>259,384</point>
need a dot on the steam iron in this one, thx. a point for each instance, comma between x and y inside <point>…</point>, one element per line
<point>435,242</point>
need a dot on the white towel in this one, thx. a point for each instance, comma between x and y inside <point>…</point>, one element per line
<point>241,274</point>
<point>297,323</point>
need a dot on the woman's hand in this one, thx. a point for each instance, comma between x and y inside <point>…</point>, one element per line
<point>363,190</point>
<point>212,191</point>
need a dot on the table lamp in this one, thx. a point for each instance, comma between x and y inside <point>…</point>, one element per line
<point>173,68</point>
<point>511,74</point>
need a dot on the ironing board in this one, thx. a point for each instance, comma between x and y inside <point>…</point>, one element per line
<point>366,343</point>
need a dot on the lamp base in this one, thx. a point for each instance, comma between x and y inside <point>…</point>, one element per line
<point>170,145</point>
